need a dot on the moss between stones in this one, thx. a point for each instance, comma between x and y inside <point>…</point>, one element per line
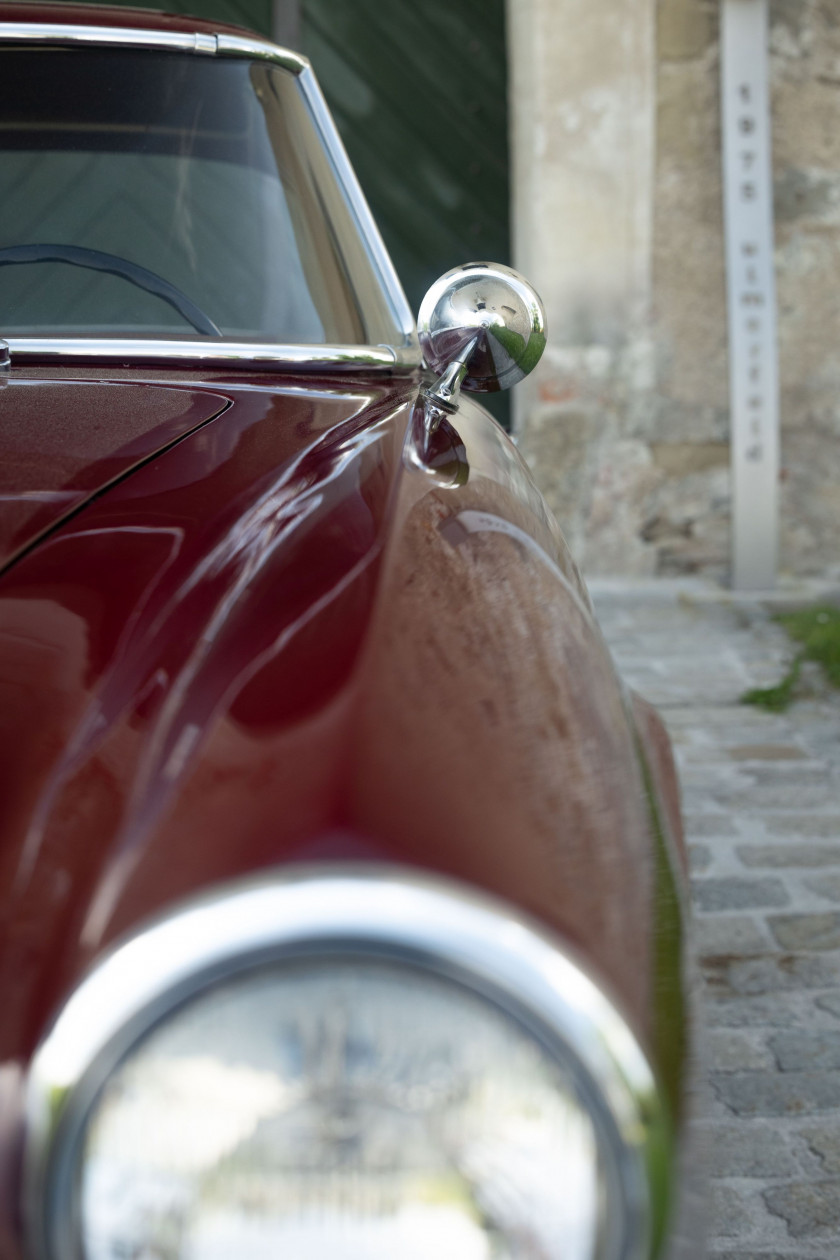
<point>818,630</point>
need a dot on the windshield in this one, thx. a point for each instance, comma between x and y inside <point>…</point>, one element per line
<point>162,194</point>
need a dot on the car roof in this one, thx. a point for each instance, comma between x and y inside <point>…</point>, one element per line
<point>63,14</point>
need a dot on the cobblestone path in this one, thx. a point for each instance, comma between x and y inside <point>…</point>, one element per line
<point>761,800</point>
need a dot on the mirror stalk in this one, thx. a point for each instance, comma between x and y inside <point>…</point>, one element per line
<point>444,396</point>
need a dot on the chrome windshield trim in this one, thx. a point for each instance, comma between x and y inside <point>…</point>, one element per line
<point>260,50</point>
<point>223,45</point>
<point>258,356</point>
<point>358,911</point>
<point>379,258</point>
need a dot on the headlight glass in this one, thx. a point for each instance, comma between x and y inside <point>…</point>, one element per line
<point>343,1109</point>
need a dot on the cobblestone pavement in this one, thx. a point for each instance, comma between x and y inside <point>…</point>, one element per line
<point>761,800</point>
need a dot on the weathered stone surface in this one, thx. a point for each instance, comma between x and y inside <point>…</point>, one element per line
<point>685,520</point>
<point>810,774</point>
<point>561,442</point>
<point>680,459</point>
<point>689,276</point>
<point>734,1050</point>
<point>751,1150</point>
<point>808,1207</point>
<point>766,752</point>
<point>806,194</point>
<point>806,1051</point>
<point>797,795</point>
<point>684,29</point>
<point>819,826</point>
<point>739,894</point>
<point>782,855</point>
<point>731,1211</point>
<point>806,931</point>
<point>763,1011</point>
<point>699,856</point>
<point>728,934</point>
<point>827,886</point>
<point>824,1141</point>
<point>831,1003</point>
<point>767,1255</point>
<point>778,1094</point>
<point>699,826</point>
<point>770,973</point>
<point>635,273</point>
<point>765,1128</point>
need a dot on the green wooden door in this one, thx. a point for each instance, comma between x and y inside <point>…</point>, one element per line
<point>255,14</point>
<point>419,93</point>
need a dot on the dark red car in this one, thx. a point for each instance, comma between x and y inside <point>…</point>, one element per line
<point>340,887</point>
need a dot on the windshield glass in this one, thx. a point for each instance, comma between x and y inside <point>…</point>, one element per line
<point>161,194</point>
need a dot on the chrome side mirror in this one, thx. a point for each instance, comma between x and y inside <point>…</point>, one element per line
<point>482,327</point>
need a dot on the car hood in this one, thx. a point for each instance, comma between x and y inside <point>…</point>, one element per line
<point>62,442</point>
<point>194,630</point>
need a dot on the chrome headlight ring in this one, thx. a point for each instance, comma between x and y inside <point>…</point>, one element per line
<point>470,942</point>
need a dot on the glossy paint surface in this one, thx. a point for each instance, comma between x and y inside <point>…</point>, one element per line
<point>61,442</point>
<point>307,631</point>
<point>205,671</point>
<point>229,579</point>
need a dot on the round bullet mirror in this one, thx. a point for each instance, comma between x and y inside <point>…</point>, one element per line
<point>487,316</point>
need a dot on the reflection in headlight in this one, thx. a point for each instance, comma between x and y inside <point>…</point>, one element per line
<point>333,1109</point>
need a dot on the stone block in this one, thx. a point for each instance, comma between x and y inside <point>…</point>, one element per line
<point>824,1141</point>
<point>779,793</point>
<point>702,826</point>
<point>731,1050</point>
<point>732,1212</point>
<point>806,931</point>
<point>830,1002</point>
<point>755,1149</point>
<point>770,973</point>
<point>699,857</point>
<point>761,1011</point>
<point>827,886</point>
<point>738,894</point>
<point>809,1208</point>
<point>819,826</point>
<point>728,934</point>
<point>804,1051</point>
<point>778,1093</point>
<point>791,855</point>
<point>765,752</point>
<point>767,1255</point>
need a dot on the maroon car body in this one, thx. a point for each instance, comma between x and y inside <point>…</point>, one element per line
<point>248,619</point>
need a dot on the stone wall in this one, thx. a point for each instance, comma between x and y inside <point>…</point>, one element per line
<point>618,219</point>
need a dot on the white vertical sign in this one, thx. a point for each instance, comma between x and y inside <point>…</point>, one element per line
<point>751,297</point>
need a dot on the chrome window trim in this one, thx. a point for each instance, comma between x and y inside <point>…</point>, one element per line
<point>364,910</point>
<point>405,356</point>
<point>255,356</point>
<point>260,50</point>
<point>346,177</point>
<point>223,45</point>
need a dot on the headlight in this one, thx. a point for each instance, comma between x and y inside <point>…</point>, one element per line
<point>340,1065</point>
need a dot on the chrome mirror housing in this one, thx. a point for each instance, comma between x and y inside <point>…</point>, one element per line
<point>482,328</point>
